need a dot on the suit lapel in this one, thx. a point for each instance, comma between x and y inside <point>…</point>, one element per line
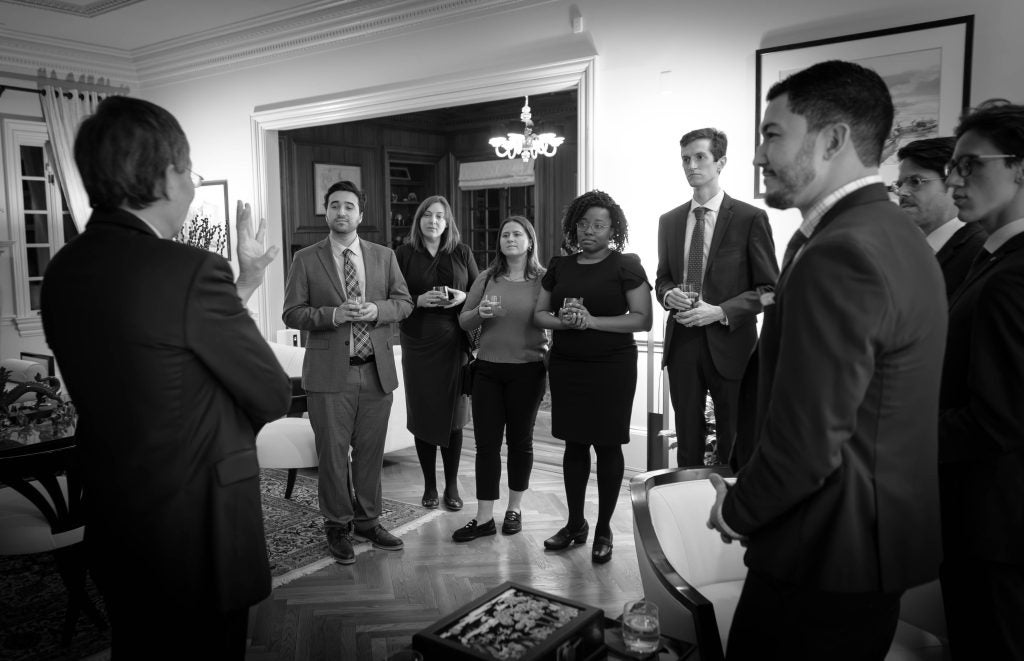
<point>679,241</point>
<point>326,256</point>
<point>721,227</point>
<point>1013,244</point>
<point>370,268</point>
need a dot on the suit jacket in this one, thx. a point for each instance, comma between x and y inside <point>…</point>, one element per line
<point>981,442</point>
<point>840,492</point>
<point>740,266</point>
<point>956,256</point>
<point>171,379</point>
<point>314,289</point>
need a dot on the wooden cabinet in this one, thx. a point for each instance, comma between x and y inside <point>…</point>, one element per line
<point>411,179</point>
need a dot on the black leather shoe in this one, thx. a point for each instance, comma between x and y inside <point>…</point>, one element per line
<point>453,504</point>
<point>513,523</point>
<point>602,552</point>
<point>380,538</point>
<point>471,531</point>
<point>339,543</point>
<point>429,499</point>
<point>564,537</point>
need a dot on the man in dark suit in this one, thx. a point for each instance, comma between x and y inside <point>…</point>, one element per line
<point>923,195</point>
<point>838,503</point>
<point>981,423</point>
<point>729,265</point>
<point>171,380</point>
<point>347,293</point>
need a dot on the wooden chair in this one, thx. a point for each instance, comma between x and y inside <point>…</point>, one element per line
<point>41,511</point>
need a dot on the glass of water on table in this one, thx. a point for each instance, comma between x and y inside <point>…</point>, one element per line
<point>640,630</point>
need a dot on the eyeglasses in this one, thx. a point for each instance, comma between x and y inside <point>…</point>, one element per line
<point>197,179</point>
<point>583,226</point>
<point>964,165</point>
<point>913,182</point>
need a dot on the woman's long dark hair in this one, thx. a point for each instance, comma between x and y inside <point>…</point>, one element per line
<point>574,213</point>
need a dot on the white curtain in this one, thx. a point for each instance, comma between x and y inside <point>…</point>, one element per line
<point>63,115</point>
<point>495,174</point>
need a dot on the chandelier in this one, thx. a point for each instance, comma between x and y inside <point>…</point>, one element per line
<point>526,145</point>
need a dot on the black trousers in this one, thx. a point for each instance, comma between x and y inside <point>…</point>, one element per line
<point>778,620</point>
<point>984,604</point>
<point>691,375</point>
<point>506,397</point>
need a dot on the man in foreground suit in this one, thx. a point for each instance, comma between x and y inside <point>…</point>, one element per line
<point>347,293</point>
<point>923,195</point>
<point>981,442</point>
<point>171,380</point>
<point>838,503</point>
<point>731,263</point>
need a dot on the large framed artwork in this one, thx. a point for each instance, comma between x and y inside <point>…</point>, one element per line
<point>927,67</point>
<point>207,225</point>
<point>327,174</point>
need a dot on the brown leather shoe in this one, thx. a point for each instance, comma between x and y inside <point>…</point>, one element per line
<point>380,538</point>
<point>339,542</point>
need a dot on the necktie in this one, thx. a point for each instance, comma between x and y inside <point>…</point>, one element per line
<point>360,329</point>
<point>695,261</point>
<point>793,247</point>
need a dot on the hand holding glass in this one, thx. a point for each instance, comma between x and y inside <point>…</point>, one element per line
<point>440,294</point>
<point>640,630</point>
<point>568,313</point>
<point>689,291</point>
<point>494,301</point>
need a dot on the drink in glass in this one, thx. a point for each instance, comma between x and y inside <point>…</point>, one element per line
<point>640,630</point>
<point>495,301</point>
<point>440,293</point>
<point>689,290</point>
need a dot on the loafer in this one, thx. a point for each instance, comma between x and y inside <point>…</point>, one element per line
<point>453,504</point>
<point>471,531</point>
<point>513,523</point>
<point>339,542</point>
<point>602,551</point>
<point>564,537</point>
<point>380,538</point>
<point>429,499</point>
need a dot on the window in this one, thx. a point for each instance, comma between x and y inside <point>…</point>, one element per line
<point>488,207</point>
<point>39,222</point>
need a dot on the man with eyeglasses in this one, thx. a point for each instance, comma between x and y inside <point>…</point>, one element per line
<point>981,407</point>
<point>723,250</point>
<point>923,195</point>
<point>171,380</point>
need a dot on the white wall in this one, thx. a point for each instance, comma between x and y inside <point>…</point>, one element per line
<point>707,48</point>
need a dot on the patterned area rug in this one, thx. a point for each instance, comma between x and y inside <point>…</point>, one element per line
<point>33,600</point>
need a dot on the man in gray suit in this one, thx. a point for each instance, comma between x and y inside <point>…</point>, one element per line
<point>347,292</point>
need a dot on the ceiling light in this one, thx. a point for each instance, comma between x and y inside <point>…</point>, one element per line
<point>526,145</point>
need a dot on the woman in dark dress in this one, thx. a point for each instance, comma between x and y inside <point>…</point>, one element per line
<point>592,371</point>
<point>433,346</point>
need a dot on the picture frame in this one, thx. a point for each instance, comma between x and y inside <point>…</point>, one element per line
<point>327,174</point>
<point>927,67</point>
<point>208,225</point>
<point>399,172</point>
<point>43,360</point>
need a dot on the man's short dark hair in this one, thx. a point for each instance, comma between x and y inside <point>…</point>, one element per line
<point>929,153</point>
<point>346,186</point>
<point>836,91</point>
<point>123,150</point>
<point>719,142</point>
<point>1000,122</point>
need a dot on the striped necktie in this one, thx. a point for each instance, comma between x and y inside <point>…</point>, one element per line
<point>360,329</point>
<point>695,261</point>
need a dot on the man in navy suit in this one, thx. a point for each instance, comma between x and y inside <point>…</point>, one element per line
<point>171,380</point>
<point>838,502</point>
<point>731,263</point>
<point>922,192</point>
<point>981,423</point>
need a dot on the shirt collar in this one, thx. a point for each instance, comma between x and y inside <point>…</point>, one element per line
<point>339,249</point>
<point>712,205</point>
<point>996,239</point>
<point>152,229</point>
<point>818,211</point>
<point>943,233</point>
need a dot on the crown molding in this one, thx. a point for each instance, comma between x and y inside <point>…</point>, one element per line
<point>88,10</point>
<point>301,31</point>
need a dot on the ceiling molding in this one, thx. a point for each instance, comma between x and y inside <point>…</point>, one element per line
<point>87,10</point>
<point>291,33</point>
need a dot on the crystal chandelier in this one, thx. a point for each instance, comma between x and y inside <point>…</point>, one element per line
<point>526,145</point>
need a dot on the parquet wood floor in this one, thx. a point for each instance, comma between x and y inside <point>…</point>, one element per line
<point>371,609</point>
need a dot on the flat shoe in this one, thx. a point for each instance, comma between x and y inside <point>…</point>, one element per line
<point>471,531</point>
<point>602,552</point>
<point>513,523</point>
<point>454,504</point>
<point>564,537</point>
<point>429,500</point>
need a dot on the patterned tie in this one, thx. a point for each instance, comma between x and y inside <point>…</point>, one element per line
<point>796,242</point>
<point>360,329</point>
<point>695,262</point>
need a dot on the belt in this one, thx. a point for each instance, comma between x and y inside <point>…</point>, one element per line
<point>357,360</point>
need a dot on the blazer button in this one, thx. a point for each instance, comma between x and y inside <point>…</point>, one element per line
<point>346,343</point>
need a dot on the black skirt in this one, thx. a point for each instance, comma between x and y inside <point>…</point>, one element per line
<point>592,400</point>
<point>431,368</point>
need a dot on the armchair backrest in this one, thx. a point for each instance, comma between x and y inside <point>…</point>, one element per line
<point>290,358</point>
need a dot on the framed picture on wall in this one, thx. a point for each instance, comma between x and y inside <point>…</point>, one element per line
<point>45,361</point>
<point>927,67</point>
<point>327,174</point>
<point>208,225</point>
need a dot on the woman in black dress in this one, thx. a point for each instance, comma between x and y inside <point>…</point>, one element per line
<point>432,343</point>
<point>592,371</point>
